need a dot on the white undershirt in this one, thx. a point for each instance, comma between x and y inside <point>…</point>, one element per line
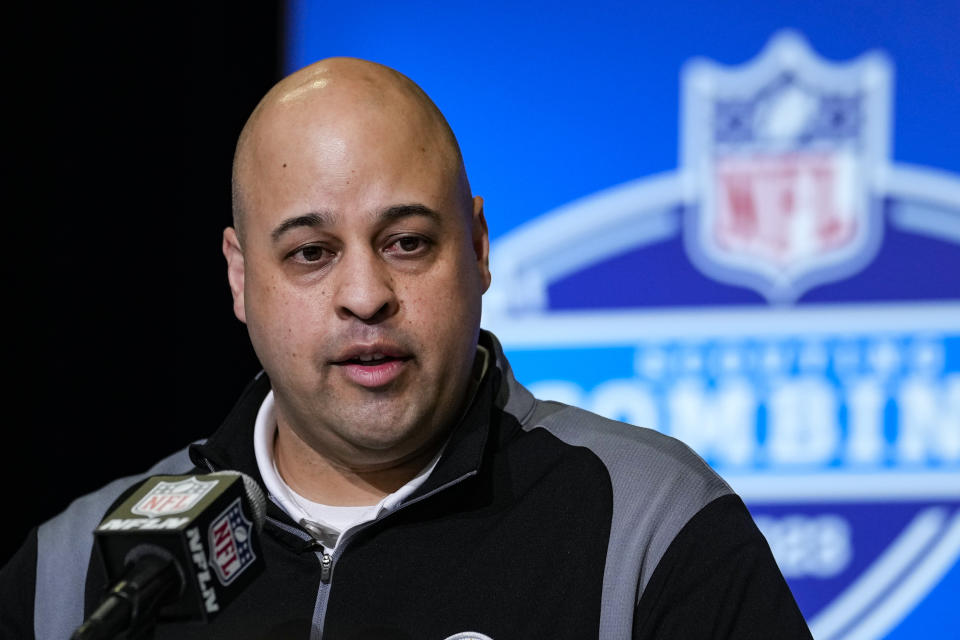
<point>327,523</point>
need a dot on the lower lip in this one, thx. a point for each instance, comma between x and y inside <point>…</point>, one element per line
<point>374,375</point>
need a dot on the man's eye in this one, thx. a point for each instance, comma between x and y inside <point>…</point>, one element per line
<point>405,245</point>
<point>409,243</point>
<point>310,253</point>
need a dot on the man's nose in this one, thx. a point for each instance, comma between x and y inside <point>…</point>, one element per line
<point>364,287</point>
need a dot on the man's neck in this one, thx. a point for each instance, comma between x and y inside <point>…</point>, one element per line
<point>316,478</point>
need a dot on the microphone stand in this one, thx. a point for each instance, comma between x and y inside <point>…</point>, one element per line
<point>130,608</point>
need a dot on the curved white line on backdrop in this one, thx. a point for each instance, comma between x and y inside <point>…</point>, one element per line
<point>526,260</point>
<point>911,590</point>
<point>935,187</point>
<point>857,597</point>
<point>576,235</point>
<point>618,328</point>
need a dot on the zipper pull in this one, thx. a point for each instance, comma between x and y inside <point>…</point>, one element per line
<point>326,567</point>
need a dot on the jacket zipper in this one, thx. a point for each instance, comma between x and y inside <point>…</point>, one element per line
<point>326,567</point>
<point>329,560</point>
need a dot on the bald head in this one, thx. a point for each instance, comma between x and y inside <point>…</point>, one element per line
<point>348,106</point>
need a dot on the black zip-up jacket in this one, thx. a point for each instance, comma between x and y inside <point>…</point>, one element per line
<point>539,521</point>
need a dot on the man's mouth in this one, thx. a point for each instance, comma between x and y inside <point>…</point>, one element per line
<point>373,368</point>
<point>370,359</point>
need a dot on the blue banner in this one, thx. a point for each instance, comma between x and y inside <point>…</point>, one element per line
<point>739,226</point>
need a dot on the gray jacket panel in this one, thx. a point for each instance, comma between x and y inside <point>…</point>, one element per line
<point>658,482</point>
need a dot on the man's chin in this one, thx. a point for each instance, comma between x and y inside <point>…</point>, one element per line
<point>380,446</point>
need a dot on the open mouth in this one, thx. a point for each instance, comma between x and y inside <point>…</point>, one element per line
<point>374,369</point>
<point>372,359</point>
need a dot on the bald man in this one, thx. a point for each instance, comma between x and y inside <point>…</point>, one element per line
<point>416,489</point>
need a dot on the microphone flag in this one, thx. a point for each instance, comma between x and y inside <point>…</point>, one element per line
<point>206,522</point>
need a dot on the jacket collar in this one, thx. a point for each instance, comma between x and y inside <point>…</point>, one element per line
<point>231,445</point>
<point>512,397</point>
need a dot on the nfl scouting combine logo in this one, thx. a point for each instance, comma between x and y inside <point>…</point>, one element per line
<point>230,543</point>
<point>783,161</point>
<point>168,498</point>
<point>826,396</point>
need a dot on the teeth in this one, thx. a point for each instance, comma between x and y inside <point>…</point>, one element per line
<point>370,357</point>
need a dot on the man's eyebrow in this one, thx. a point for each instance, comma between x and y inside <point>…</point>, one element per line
<point>324,219</point>
<point>312,219</point>
<point>400,211</point>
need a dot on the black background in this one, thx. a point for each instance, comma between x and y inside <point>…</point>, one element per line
<point>121,342</point>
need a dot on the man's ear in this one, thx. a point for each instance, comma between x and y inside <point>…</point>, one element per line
<point>481,241</point>
<point>235,271</point>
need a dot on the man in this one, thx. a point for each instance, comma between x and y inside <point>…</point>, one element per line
<point>416,489</point>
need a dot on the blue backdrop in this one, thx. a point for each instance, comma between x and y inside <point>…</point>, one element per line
<point>739,225</point>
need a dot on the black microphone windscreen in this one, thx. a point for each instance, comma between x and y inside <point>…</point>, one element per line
<point>208,523</point>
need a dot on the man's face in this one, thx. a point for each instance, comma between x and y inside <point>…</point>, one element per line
<point>361,274</point>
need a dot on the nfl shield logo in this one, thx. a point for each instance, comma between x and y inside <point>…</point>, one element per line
<point>782,160</point>
<point>168,498</point>
<point>230,543</point>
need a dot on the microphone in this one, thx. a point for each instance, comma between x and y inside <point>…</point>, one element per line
<point>178,548</point>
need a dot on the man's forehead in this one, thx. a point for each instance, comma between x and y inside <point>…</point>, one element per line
<point>349,159</point>
<point>340,180</point>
